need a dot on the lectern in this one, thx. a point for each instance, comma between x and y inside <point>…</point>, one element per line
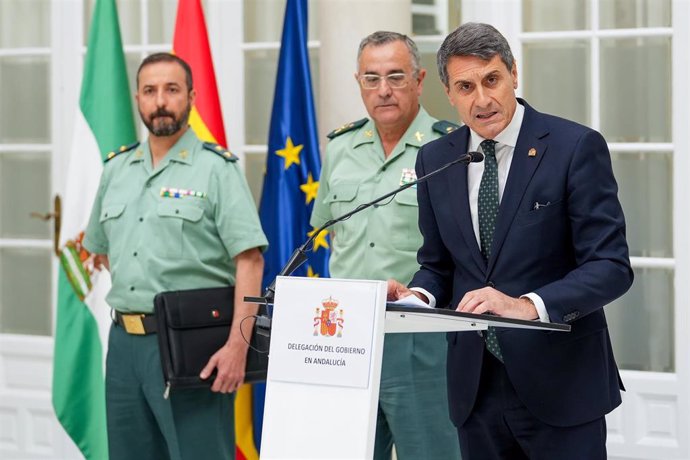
<point>325,363</point>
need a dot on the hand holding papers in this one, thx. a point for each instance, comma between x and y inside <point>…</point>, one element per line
<point>410,301</point>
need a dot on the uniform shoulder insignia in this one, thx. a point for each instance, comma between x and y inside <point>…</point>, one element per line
<point>347,127</point>
<point>122,149</point>
<point>444,127</point>
<point>220,151</point>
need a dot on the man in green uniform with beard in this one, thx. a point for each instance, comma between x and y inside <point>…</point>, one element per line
<point>172,214</point>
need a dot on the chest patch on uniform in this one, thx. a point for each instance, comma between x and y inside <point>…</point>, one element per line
<point>408,175</point>
<point>169,192</point>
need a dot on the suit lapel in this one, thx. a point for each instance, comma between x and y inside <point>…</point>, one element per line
<point>522,168</point>
<point>459,196</point>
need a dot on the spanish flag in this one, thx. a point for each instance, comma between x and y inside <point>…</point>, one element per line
<point>190,42</point>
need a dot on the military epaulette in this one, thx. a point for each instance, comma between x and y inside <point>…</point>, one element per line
<point>220,151</point>
<point>347,127</point>
<point>120,151</point>
<point>444,127</point>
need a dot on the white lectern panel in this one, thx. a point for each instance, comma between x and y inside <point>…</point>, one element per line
<point>324,369</point>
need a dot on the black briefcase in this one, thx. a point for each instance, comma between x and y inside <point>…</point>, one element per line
<point>192,325</point>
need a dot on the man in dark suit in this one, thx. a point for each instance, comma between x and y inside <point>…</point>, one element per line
<point>536,231</point>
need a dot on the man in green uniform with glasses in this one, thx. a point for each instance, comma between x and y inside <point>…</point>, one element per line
<point>171,214</point>
<point>364,160</point>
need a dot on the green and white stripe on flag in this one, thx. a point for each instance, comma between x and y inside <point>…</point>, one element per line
<point>104,120</point>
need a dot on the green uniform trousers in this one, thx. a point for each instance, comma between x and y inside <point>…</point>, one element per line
<point>191,424</point>
<point>413,410</point>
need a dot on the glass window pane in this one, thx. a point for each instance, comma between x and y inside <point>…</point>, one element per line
<point>645,182</point>
<point>631,14</point>
<point>129,13</point>
<point>25,96</point>
<point>424,24</point>
<point>549,15</point>
<point>132,61</point>
<point>263,20</point>
<point>25,287</point>
<point>24,188</point>
<point>641,323</point>
<point>636,89</point>
<point>260,78</point>
<point>556,78</point>
<point>162,15</point>
<point>24,23</point>
<point>255,171</point>
<point>434,97</point>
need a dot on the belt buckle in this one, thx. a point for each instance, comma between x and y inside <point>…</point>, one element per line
<point>133,324</point>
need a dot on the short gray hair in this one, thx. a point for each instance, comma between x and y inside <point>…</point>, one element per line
<point>473,39</point>
<point>383,37</point>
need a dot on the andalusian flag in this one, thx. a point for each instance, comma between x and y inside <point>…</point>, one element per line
<point>191,44</point>
<point>104,120</point>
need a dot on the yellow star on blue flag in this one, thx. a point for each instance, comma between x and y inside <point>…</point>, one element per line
<point>290,152</point>
<point>310,188</point>
<point>320,241</point>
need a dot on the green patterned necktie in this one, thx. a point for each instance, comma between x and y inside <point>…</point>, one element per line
<point>487,206</point>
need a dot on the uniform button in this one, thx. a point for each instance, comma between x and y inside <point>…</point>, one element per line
<point>491,284</point>
<point>131,288</point>
<point>383,168</point>
<point>135,253</point>
<point>141,219</point>
<point>148,185</point>
<point>177,211</point>
<point>371,245</point>
<point>335,197</point>
<point>105,215</point>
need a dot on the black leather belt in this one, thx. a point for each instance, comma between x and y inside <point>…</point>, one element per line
<point>136,323</point>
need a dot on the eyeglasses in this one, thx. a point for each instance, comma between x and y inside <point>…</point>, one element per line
<point>394,80</point>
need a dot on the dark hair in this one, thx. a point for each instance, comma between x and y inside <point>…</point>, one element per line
<point>168,57</point>
<point>383,37</point>
<point>473,39</point>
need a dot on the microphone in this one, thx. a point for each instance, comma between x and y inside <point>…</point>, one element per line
<point>300,255</point>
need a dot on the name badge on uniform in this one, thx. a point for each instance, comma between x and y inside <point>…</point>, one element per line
<point>408,175</point>
<point>169,192</point>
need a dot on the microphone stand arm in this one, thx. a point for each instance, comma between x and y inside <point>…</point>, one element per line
<point>299,256</point>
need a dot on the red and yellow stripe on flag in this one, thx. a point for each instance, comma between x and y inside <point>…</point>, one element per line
<point>190,42</point>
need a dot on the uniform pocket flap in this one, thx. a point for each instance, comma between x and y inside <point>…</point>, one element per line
<point>111,212</point>
<point>181,211</point>
<point>343,192</point>
<point>407,198</point>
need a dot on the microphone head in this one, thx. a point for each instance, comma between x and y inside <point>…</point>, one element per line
<point>475,157</point>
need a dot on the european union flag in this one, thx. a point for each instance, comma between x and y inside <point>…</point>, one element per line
<point>293,164</point>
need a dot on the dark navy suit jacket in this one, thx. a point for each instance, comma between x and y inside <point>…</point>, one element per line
<point>571,252</point>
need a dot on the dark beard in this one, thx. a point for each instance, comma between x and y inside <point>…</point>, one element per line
<point>166,128</point>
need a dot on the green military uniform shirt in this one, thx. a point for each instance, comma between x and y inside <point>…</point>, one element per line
<point>380,242</point>
<point>176,227</point>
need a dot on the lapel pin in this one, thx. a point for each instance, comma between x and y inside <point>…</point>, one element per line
<point>532,152</point>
